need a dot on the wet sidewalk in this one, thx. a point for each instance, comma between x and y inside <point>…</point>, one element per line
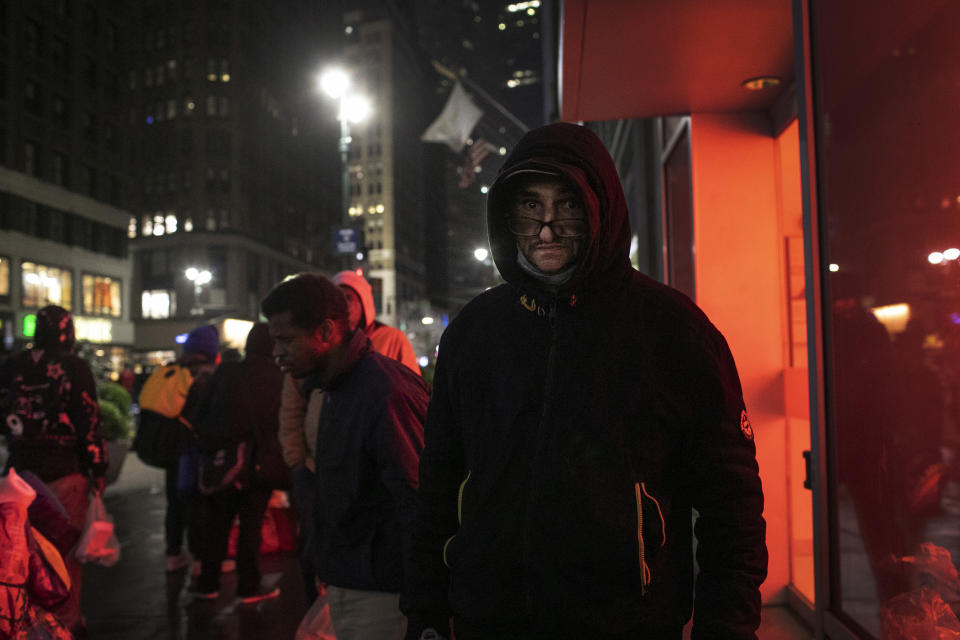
<point>136,599</point>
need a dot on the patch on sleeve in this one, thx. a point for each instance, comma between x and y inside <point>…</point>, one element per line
<point>745,427</point>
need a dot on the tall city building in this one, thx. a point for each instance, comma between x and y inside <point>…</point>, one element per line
<point>62,229</point>
<point>496,51</point>
<point>233,167</point>
<point>391,190</point>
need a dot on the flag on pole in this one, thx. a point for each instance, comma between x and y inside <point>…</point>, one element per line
<point>479,150</point>
<point>454,124</point>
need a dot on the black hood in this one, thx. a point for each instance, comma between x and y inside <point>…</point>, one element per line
<point>54,330</point>
<point>577,154</point>
<point>259,341</point>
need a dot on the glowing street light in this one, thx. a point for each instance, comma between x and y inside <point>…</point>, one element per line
<point>480,254</point>
<point>951,254</point>
<point>935,258</point>
<point>334,82</point>
<point>198,277</point>
<point>353,108</point>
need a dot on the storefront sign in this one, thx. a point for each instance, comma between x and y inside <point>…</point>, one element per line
<point>29,325</point>
<point>346,241</point>
<point>93,329</point>
<point>235,332</point>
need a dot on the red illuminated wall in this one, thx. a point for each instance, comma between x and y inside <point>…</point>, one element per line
<point>738,201</point>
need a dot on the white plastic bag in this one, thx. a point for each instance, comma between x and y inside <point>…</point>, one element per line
<point>316,624</point>
<point>98,543</point>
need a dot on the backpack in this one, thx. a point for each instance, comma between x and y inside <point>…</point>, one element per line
<point>162,433</point>
<point>165,391</point>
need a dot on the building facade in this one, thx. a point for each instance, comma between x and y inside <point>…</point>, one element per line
<point>388,184</point>
<point>226,152</point>
<point>62,229</point>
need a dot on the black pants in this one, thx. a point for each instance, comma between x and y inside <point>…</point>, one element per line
<point>303,491</point>
<point>175,520</point>
<point>215,516</point>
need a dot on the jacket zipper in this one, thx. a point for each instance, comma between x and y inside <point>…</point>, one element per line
<point>640,490</point>
<point>463,485</point>
<point>538,453</point>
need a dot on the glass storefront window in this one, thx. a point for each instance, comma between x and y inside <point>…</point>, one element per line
<point>158,303</point>
<point>4,278</point>
<point>43,285</point>
<point>889,208</point>
<point>101,295</point>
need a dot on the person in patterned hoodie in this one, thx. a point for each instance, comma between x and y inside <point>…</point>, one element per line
<point>51,419</point>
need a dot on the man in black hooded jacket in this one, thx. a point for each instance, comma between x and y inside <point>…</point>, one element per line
<point>580,413</point>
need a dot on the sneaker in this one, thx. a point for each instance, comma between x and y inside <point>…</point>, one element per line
<point>198,594</point>
<point>177,561</point>
<point>259,596</point>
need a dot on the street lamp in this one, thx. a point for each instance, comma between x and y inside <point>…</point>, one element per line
<point>353,108</point>
<point>482,255</point>
<point>198,277</point>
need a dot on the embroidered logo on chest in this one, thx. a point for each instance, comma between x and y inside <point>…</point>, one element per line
<point>745,427</point>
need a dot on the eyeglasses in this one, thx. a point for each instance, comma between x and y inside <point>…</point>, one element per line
<point>531,227</point>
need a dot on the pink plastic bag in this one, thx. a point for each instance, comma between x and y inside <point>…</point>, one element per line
<point>98,543</point>
<point>919,615</point>
<point>317,624</point>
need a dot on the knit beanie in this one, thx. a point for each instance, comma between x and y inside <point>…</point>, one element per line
<point>204,340</point>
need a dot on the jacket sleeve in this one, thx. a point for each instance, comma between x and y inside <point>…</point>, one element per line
<point>407,357</point>
<point>293,407</point>
<point>84,414</point>
<point>730,529</point>
<point>442,467</point>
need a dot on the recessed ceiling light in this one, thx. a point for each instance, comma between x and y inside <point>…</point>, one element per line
<point>760,83</point>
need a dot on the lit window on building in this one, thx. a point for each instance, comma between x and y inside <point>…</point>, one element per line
<point>171,109</point>
<point>132,227</point>
<point>43,285</point>
<point>188,224</point>
<point>172,69</point>
<point>101,295</point>
<point>147,227</point>
<point>4,277</point>
<point>171,222</point>
<point>211,69</point>
<point>211,221</point>
<point>158,303</point>
<point>224,70</point>
<point>189,106</point>
<point>158,228</point>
